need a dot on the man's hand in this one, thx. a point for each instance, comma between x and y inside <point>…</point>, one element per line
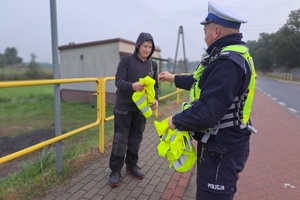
<point>170,123</point>
<point>137,86</point>
<point>166,76</point>
<point>154,105</point>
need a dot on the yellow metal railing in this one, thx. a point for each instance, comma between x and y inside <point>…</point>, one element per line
<point>102,102</point>
<point>57,138</point>
<point>177,93</point>
<point>101,111</point>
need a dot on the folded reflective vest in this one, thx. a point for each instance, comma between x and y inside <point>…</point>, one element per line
<point>144,99</point>
<point>176,146</point>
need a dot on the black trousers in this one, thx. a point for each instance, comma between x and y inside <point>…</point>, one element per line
<point>217,174</point>
<point>128,134</point>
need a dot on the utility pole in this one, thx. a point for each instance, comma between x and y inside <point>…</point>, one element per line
<point>180,32</point>
<point>57,109</point>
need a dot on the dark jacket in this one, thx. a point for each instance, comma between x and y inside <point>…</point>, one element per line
<point>221,81</point>
<point>129,70</point>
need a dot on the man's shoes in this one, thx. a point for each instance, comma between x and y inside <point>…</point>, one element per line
<point>115,177</point>
<point>135,171</point>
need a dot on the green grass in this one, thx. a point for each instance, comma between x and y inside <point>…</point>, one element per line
<point>18,92</point>
<point>166,88</point>
<point>21,69</point>
<point>24,109</point>
<point>13,71</point>
<point>32,108</point>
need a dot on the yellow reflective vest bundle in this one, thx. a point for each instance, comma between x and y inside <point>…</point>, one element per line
<point>176,146</point>
<point>145,98</point>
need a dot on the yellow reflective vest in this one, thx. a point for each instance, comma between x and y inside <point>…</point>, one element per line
<point>242,115</point>
<point>176,146</point>
<point>244,51</point>
<point>145,98</point>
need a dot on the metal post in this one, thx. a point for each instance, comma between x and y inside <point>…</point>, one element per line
<point>57,109</point>
<point>184,57</point>
<point>180,32</point>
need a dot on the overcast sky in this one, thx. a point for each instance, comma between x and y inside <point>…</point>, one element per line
<point>25,24</point>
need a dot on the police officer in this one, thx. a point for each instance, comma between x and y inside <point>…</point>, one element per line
<point>222,89</point>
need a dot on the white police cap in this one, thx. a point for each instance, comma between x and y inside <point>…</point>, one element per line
<point>222,16</point>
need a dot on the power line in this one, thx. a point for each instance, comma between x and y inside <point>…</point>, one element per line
<point>138,10</point>
<point>156,15</point>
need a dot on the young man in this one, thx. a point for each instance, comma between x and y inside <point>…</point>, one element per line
<point>129,120</point>
<point>222,89</point>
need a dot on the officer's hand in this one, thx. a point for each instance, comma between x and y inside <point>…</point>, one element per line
<point>166,76</point>
<point>154,105</point>
<point>171,125</point>
<point>137,86</point>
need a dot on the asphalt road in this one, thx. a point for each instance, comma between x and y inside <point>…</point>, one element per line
<point>285,93</point>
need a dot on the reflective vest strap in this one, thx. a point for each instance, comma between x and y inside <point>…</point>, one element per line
<point>172,138</point>
<point>145,109</point>
<point>140,100</point>
<point>207,134</point>
<point>165,135</point>
<point>228,116</point>
<point>215,130</point>
<point>185,162</point>
<point>235,123</point>
<point>240,98</point>
<point>188,143</point>
<point>228,124</point>
<point>141,103</point>
<point>236,105</point>
<point>221,125</point>
<point>252,129</point>
<point>179,162</point>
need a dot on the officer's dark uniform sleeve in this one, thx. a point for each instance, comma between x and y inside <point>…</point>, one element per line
<point>219,86</point>
<point>121,80</point>
<point>184,81</point>
<point>156,87</point>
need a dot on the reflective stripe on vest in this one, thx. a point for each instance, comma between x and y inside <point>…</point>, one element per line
<point>144,98</point>
<point>176,146</point>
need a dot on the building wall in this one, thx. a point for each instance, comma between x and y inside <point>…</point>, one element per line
<point>92,61</point>
<point>96,59</point>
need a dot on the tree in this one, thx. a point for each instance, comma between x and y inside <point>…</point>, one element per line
<point>32,64</point>
<point>293,23</point>
<point>34,71</point>
<point>2,60</point>
<point>280,49</point>
<point>11,55</point>
<point>262,52</point>
<point>287,42</point>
